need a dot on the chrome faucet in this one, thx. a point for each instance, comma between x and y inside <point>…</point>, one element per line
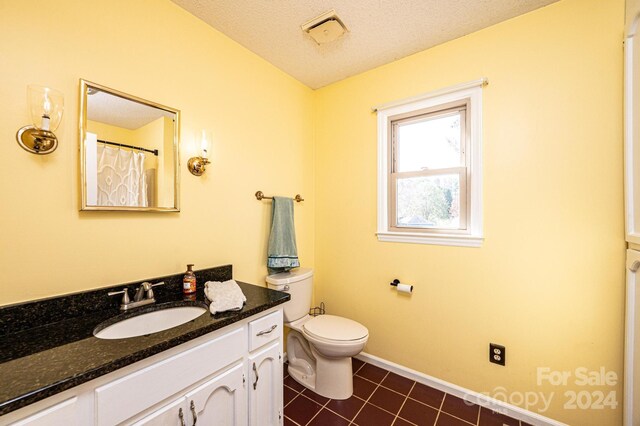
<point>144,296</point>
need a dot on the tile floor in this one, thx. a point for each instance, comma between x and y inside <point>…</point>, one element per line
<point>383,398</point>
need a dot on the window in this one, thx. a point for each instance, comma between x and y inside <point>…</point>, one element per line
<point>429,171</point>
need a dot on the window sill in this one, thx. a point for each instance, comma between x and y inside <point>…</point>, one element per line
<point>440,239</point>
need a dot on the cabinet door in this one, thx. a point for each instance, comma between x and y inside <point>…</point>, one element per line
<point>221,401</point>
<point>265,387</point>
<point>173,414</point>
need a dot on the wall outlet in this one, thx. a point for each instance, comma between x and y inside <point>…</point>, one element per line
<point>497,354</point>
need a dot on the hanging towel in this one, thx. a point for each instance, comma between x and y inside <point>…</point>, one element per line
<point>224,296</point>
<point>282,254</point>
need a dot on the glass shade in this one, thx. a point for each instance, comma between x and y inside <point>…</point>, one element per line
<point>205,143</point>
<point>46,106</point>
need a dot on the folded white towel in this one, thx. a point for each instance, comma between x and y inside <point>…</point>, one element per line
<point>224,296</point>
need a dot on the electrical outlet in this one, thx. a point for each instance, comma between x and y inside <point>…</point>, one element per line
<point>497,354</point>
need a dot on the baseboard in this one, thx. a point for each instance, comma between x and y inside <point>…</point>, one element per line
<point>455,390</point>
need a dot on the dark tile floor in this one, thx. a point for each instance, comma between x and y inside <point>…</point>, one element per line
<point>383,398</point>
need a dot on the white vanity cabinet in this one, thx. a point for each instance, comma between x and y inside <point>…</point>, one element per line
<point>210,381</point>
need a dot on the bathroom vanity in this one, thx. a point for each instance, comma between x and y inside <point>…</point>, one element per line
<point>213,370</point>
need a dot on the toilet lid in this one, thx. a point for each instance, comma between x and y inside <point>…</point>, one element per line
<point>331,327</point>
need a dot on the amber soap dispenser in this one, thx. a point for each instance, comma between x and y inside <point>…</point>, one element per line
<point>189,281</point>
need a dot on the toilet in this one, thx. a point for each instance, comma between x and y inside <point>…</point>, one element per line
<point>319,349</point>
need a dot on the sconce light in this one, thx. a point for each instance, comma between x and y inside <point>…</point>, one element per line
<point>197,165</point>
<point>46,106</point>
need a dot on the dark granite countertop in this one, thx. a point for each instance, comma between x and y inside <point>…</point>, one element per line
<point>48,346</point>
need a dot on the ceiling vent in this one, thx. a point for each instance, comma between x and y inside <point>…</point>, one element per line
<point>325,28</point>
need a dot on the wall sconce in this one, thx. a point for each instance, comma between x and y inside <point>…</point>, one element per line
<point>46,106</point>
<point>197,165</point>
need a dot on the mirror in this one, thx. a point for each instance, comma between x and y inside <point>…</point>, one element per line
<point>128,152</point>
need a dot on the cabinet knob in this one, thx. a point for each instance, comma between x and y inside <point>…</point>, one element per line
<point>255,370</point>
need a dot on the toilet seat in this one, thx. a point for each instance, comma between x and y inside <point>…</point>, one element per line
<point>332,328</point>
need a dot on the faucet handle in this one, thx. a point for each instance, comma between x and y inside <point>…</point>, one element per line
<point>125,295</point>
<point>148,287</point>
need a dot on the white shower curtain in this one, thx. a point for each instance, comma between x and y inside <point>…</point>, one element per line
<point>121,178</point>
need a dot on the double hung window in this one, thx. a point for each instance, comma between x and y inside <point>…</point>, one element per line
<point>429,170</point>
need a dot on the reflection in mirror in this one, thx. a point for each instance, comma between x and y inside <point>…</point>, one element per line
<point>129,151</point>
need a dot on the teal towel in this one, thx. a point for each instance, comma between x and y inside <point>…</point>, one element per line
<point>282,254</point>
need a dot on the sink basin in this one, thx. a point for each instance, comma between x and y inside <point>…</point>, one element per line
<point>151,322</point>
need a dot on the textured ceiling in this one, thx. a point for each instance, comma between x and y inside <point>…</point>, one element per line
<point>380,31</point>
<point>116,111</point>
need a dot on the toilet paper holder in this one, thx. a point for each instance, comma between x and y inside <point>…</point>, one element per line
<point>404,288</point>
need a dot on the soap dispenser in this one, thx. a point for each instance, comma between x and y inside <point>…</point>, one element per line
<point>189,281</point>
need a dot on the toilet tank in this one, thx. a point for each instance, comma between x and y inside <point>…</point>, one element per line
<point>299,284</point>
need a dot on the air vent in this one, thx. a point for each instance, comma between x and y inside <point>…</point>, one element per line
<point>325,28</point>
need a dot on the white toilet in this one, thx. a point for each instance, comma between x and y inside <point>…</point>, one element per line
<point>319,349</point>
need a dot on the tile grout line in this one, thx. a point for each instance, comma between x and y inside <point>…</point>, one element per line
<point>402,405</point>
<point>322,407</point>
<point>297,393</point>
<point>440,409</point>
<point>478,418</point>
<point>338,414</point>
<point>284,415</point>
<point>454,416</point>
<point>367,400</point>
<point>380,385</point>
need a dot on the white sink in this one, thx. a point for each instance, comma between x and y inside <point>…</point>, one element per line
<point>151,322</point>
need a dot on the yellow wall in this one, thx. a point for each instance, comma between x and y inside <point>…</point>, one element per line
<point>152,136</point>
<point>260,117</point>
<point>111,133</point>
<point>548,280</point>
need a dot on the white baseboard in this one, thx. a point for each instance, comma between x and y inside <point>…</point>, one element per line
<point>466,394</point>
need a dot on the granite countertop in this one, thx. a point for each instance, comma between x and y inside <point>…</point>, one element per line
<point>40,359</point>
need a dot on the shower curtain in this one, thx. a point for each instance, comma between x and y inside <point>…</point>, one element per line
<point>121,178</point>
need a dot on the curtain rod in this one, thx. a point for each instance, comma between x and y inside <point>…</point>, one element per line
<point>153,151</point>
<point>474,83</point>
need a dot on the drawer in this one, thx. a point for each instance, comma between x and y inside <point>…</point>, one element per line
<point>64,413</point>
<point>134,393</point>
<point>265,330</point>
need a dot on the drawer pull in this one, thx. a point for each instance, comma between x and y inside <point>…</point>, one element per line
<point>263,332</point>
<point>181,417</point>
<point>193,413</point>
<point>255,370</point>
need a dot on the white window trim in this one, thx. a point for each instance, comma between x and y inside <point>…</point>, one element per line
<point>473,237</point>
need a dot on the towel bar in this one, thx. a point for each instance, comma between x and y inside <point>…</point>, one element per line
<point>260,195</point>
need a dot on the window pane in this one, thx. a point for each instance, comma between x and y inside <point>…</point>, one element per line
<point>428,202</point>
<point>431,143</point>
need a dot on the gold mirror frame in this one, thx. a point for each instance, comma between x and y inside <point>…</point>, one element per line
<point>84,87</point>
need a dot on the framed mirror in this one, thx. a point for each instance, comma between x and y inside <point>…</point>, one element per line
<point>129,152</point>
